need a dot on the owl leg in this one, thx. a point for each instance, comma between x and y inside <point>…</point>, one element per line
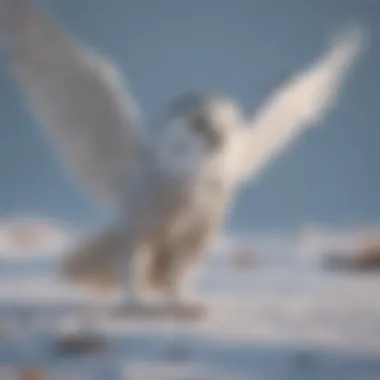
<point>132,281</point>
<point>132,274</point>
<point>180,275</point>
<point>178,289</point>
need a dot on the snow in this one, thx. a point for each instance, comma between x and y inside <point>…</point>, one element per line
<point>282,318</point>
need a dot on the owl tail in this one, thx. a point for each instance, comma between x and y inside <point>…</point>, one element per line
<point>158,273</point>
<point>94,261</point>
<point>160,267</point>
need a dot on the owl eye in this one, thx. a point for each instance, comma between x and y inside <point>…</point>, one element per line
<point>199,124</point>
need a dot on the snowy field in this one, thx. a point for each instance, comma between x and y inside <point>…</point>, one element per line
<point>280,318</point>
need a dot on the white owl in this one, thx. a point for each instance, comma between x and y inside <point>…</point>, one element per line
<point>170,194</point>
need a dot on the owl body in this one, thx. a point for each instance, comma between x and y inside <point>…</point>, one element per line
<point>182,216</point>
<point>173,208</point>
<point>169,193</point>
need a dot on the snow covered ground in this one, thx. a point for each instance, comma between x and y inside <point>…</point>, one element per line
<point>282,318</point>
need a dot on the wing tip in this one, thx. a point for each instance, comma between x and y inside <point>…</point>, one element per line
<point>351,40</point>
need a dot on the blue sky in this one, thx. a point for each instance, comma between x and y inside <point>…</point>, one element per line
<point>236,47</point>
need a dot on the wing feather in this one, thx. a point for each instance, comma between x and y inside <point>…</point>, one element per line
<point>78,96</point>
<point>297,104</point>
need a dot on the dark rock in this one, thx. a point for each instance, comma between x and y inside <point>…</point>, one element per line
<point>81,344</point>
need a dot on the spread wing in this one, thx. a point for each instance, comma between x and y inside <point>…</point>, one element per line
<point>77,95</point>
<point>296,105</point>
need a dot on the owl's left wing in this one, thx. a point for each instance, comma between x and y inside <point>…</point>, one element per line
<point>77,96</point>
<point>297,104</point>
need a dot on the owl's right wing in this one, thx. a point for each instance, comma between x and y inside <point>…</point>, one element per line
<point>77,96</point>
<point>298,103</point>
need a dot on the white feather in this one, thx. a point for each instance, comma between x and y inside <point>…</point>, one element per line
<point>79,98</point>
<point>171,219</point>
<point>296,105</point>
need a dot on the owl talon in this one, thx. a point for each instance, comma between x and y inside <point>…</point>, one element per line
<point>190,309</point>
<point>181,310</point>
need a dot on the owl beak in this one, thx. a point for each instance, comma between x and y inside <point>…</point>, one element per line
<point>214,139</point>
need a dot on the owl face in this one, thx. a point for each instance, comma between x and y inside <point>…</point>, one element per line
<point>208,118</point>
<point>199,129</point>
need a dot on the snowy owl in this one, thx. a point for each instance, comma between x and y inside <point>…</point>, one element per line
<point>169,194</point>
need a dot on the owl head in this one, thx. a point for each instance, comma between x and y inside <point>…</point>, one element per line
<point>199,128</point>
